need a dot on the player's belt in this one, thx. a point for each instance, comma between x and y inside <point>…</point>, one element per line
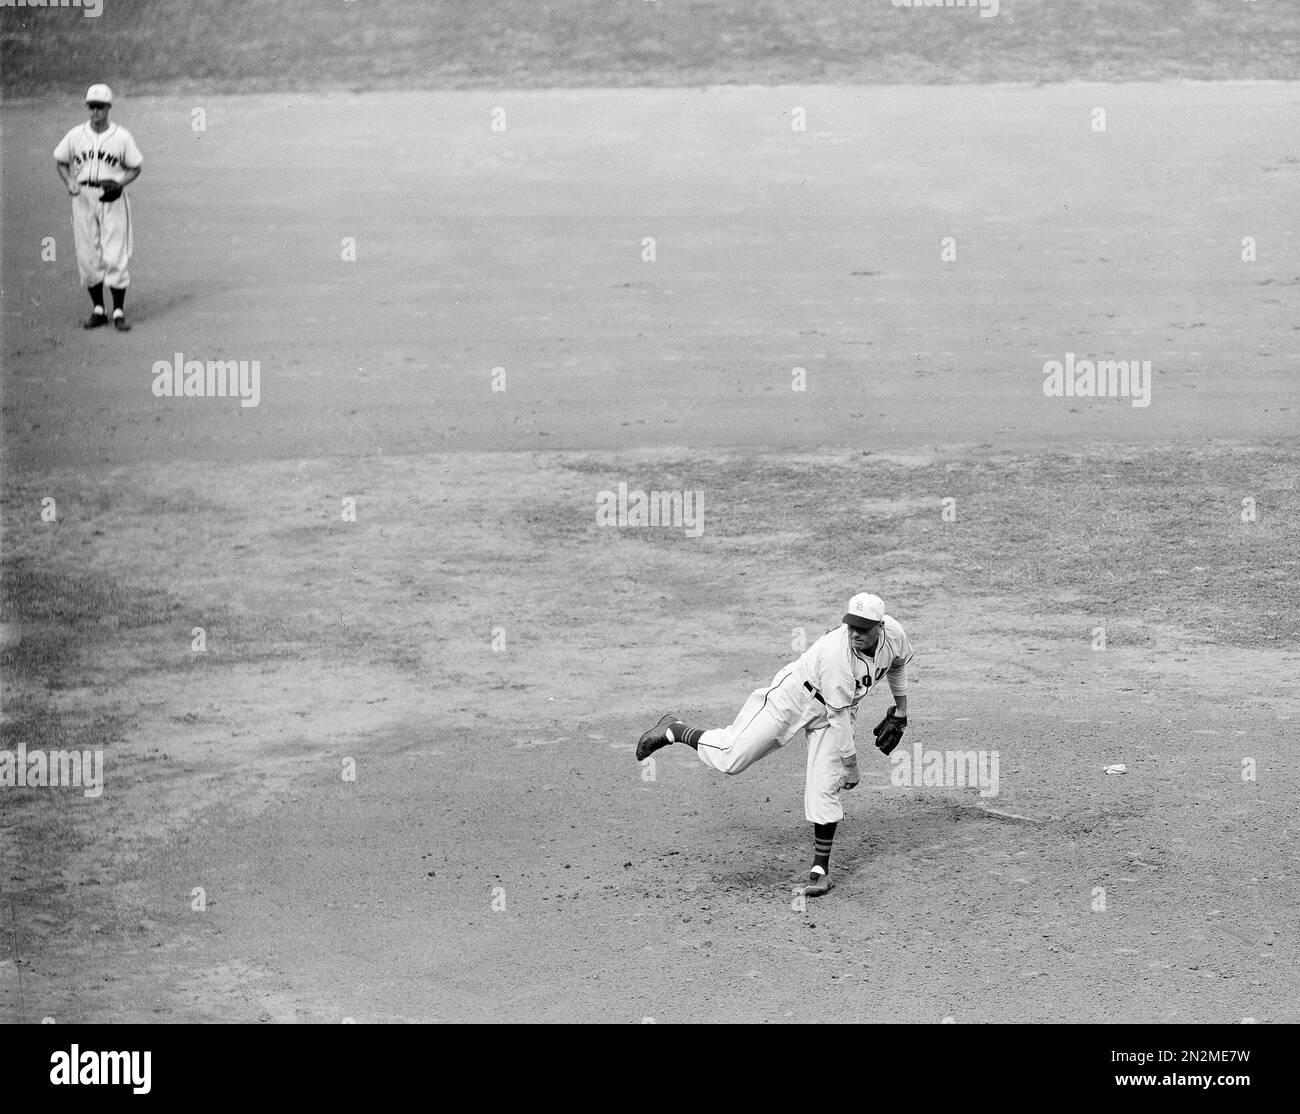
<point>815,693</point>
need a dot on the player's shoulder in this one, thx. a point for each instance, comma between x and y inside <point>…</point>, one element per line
<point>894,634</point>
<point>73,134</point>
<point>828,641</point>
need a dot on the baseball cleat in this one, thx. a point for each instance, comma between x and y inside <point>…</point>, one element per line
<point>120,323</point>
<point>655,738</point>
<point>818,884</point>
<point>94,321</point>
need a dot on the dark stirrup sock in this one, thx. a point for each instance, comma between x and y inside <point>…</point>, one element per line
<point>823,837</point>
<point>680,733</point>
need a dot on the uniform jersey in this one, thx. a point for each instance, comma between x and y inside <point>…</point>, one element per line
<point>819,695</point>
<point>99,156</point>
<point>842,677</point>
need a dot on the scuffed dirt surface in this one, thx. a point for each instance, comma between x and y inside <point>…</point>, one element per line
<point>505,778</point>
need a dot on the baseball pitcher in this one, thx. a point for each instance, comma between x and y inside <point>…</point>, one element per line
<point>96,162</point>
<point>819,695</point>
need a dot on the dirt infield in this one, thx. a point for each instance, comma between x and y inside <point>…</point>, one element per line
<point>500,855</point>
<point>481,653</point>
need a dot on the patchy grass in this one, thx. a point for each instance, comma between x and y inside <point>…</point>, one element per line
<point>1154,535</point>
<point>265,45</point>
<point>59,615</point>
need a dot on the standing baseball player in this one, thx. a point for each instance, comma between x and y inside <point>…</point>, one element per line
<point>818,694</point>
<point>96,162</point>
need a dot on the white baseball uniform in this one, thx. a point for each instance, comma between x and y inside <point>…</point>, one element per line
<point>819,693</point>
<point>101,232</point>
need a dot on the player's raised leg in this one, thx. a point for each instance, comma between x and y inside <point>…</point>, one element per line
<point>768,720</point>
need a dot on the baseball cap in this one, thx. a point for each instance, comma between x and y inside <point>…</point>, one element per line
<point>99,94</point>
<point>865,611</point>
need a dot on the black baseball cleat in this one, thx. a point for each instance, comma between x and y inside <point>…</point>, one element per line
<point>120,323</point>
<point>95,320</point>
<point>655,738</point>
<point>817,885</point>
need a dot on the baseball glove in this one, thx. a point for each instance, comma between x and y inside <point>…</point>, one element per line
<point>889,731</point>
<point>112,191</point>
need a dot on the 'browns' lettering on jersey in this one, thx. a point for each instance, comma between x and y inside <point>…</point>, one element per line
<point>99,156</point>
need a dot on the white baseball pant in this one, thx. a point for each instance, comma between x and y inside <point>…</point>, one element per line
<point>102,234</point>
<point>770,718</point>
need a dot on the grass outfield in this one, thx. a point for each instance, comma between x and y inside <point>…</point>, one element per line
<point>263,45</point>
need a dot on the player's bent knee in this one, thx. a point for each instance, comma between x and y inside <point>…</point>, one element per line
<point>736,761</point>
<point>825,810</point>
